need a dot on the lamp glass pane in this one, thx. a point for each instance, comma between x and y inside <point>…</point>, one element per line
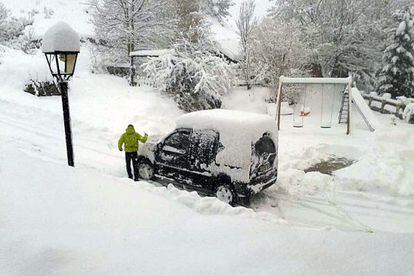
<point>51,58</point>
<point>67,63</point>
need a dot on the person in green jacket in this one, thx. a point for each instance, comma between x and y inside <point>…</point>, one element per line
<point>130,140</point>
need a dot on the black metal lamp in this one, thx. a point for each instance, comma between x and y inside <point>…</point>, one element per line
<point>61,46</point>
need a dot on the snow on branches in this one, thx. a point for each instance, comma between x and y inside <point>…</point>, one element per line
<point>121,25</point>
<point>195,75</point>
<point>342,35</point>
<point>397,75</point>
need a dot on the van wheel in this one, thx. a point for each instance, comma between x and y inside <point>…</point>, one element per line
<point>145,170</point>
<point>226,194</point>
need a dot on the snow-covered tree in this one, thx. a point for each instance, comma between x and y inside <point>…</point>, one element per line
<point>191,14</point>
<point>217,8</point>
<point>195,75</point>
<point>188,18</point>
<point>246,24</point>
<point>343,35</point>
<point>277,50</point>
<point>121,26</point>
<point>397,75</point>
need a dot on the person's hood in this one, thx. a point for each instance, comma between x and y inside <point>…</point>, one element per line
<point>130,130</point>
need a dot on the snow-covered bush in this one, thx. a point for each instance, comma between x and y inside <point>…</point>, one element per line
<point>196,75</point>
<point>41,88</point>
<point>12,31</point>
<point>397,75</point>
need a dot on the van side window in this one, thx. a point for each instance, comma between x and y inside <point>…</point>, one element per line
<point>204,145</point>
<point>179,140</point>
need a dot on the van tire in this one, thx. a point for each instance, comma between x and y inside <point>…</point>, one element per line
<point>225,193</point>
<point>145,169</point>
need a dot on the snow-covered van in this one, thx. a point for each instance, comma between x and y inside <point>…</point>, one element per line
<point>231,154</point>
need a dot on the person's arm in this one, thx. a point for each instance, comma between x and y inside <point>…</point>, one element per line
<point>142,139</point>
<point>121,142</point>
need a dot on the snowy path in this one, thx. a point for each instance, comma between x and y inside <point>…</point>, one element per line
<point>39,133</point>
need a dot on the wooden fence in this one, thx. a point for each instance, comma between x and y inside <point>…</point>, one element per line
<point>384,105</point>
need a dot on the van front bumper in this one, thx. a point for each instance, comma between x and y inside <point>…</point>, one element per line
<point>257,185</point>
<point>254,189</point>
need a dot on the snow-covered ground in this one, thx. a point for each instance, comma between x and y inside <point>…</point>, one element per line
<point>61,221</point>
<point>92,220</point>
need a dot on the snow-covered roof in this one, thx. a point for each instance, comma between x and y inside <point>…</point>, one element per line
<point>238,130</point>
<point>227,40</point>
<point>230,48</point>
<point>224,120</point>
<point>61,38</point>
<point>151,53</point>
<point>316,80</point>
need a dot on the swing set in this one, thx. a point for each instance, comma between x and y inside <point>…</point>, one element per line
<point>328,90</point>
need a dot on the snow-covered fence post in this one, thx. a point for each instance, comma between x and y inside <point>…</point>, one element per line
<point>61,46</point>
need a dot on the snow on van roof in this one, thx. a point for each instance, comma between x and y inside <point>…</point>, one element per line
<point>238,131</point>
<point>221,119</point>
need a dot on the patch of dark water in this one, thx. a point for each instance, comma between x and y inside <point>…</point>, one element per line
<point>330,165</point>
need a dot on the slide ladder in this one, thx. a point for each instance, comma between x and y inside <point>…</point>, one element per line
<point>344,111</point>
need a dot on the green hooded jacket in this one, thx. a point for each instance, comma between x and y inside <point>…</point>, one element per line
<point>131,140</point>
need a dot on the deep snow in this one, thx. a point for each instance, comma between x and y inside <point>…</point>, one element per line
<point>58,220</point>
<point>92,220</point>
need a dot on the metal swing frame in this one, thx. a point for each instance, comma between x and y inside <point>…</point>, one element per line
<point>284,80</point>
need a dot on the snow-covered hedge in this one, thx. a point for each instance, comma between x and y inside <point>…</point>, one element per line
<point>195,75</point>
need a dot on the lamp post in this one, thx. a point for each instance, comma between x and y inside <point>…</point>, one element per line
<point>61,45</point>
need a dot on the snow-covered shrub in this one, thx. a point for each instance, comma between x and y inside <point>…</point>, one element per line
<point>196,75</point>
<point>27,42</point>
<point>41,88</point>
<point>12,30</point>
<point>397,75</point>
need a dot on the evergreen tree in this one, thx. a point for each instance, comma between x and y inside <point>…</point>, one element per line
<point>397,75</point>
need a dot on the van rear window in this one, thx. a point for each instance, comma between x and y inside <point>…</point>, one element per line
<point>264,155</point>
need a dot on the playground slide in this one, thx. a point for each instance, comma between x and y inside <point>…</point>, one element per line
<point>363,108</point>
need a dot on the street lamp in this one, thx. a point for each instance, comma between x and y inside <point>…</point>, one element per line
<point>61,45</point>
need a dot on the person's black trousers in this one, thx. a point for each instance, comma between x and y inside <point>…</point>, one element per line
<point>132,157</point>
